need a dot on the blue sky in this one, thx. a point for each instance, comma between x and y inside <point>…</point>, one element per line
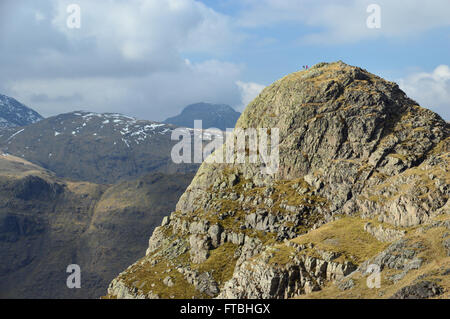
<point>150,58</point>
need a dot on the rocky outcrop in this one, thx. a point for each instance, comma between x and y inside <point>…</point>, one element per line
<point>351,144</point>
<point>122,291</point>
<point>382,234</point>
<point>260,278</point>
<point>401,255</point>
<point>421,290</point>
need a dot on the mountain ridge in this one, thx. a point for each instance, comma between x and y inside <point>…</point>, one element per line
<point>96,147</point>
<point>220,116</point>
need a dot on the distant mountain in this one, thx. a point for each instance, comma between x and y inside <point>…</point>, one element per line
<point>48,223</point>
<point>100,148</point>
<point>219,116</point>
<point>13,113</point>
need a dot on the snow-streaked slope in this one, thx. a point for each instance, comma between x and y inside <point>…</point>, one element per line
<point>101,148</point>
<point>13,113</point>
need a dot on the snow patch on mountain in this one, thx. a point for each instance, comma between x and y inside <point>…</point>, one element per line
<point>13,113</point>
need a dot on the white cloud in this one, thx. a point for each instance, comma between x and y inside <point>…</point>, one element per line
<point>39,16</point>
<point>155,96</point>
<point>345,21</point>
<point>145,29</point>
<point>128,56</point>
<point>249,90</point>
<point>430,90</point>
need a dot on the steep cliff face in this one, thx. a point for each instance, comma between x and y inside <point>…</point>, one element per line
<point>363,178</point>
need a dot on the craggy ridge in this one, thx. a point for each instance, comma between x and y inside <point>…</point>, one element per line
<point>363,179</point>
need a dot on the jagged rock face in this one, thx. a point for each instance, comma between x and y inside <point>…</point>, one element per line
<point>350,143</point>
<point>339,125</point>
<point>13,113</point>
<point>261,279</point>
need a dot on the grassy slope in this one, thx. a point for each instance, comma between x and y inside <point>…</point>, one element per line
<point>356,242</point>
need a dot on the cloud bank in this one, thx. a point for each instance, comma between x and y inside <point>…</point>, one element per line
<point>430,90</point>
<point>249,90</point>
<point>127,56</point>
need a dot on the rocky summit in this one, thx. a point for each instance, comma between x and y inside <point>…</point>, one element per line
<point>358,208</point>
<point>219,116</point>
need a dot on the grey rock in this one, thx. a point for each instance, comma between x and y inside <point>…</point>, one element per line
<point>346,284</point>
<point>200,246</point>
<point>168,281</point>
<point>446,244</point>
<point>421,290</point>
<point>382,234</point>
